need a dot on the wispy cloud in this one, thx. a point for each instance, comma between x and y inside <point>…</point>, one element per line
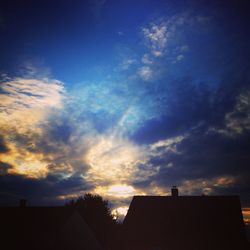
<point>113,159</point>
<point>127,63</point>
<point>27,102</point>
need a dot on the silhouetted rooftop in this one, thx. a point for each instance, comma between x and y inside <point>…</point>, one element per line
<point>185,222</point>
<point>44,228</point>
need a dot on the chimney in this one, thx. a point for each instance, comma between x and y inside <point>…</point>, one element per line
<point>22,203</point>
<point>174,191</point>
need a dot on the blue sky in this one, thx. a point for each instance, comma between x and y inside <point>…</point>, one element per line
<point>122,98</point>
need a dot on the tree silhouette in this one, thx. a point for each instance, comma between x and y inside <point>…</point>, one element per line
<point>97,215</point>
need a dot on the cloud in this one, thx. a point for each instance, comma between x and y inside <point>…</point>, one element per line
<point>127,63</point>
<point>184,48</point>
<point>147,60</point>
<point>122,138</point>
<point>168,143</point>
<point>238,120</point>
<point>246,215</point>
<point>145,73</point>
<point>27,104</point>
<point>179,58</point>
<point>164,39</point>
<point>187,153</point>
<point>45,135</point>
<point>207,186</point>
<point>113,159</point>
<point>160,35</point>
<point>190,154</point>
<point>48,190</point>
<point>156,36</point>
<point>232,106</point>
<point>3,146</point>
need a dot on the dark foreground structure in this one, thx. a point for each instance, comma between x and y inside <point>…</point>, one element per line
<point>152,223</point>
<point>44,228</point>
<point>184,223</point>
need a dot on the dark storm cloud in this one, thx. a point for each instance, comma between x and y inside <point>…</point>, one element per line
<point>4,167</point>
<point>3,146</point>
<point>212,148</point>
<point>189,103</point>
<point>38,191</point>
<point>56,132</point>
<point>206,156</point>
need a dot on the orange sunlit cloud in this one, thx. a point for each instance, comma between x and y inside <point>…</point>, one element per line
<point>26,104</point>
<point>113,158</point>
<point>207,186</point>
<point>246,215</point>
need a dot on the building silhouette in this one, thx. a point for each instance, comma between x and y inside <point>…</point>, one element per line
<point>184,223</point>
<point>44,228</point>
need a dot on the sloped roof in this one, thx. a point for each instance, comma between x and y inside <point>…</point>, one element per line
<point>185,222</point>
<point>44,228</point>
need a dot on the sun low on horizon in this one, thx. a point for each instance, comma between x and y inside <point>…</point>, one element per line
<point>124,98</point>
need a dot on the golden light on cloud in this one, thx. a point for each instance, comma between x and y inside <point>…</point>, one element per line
<point>207,186</point>
<point>32,169</point>
<point>114,161</point>
<point>26,105</point>
<point>121,190</point>
<point>24,162</point>
<point>116,191</point>
<point>27,102</point>
<point>246,215</point>
<point>113,158</point>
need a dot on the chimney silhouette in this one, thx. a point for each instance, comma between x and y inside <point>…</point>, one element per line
<point>174,191</point>
<point>22,203</point>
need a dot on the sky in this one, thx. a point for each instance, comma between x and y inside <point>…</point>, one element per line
<point>123,98</point>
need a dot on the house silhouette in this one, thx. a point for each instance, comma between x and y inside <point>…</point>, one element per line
<point>44,228</point>
<point>184,223</point>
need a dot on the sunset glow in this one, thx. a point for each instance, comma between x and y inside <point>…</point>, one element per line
<point>246,215</point>
<point>121,191</point>
<point>124,98</point>
<point>119,212</point>
<point>113,158</point>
